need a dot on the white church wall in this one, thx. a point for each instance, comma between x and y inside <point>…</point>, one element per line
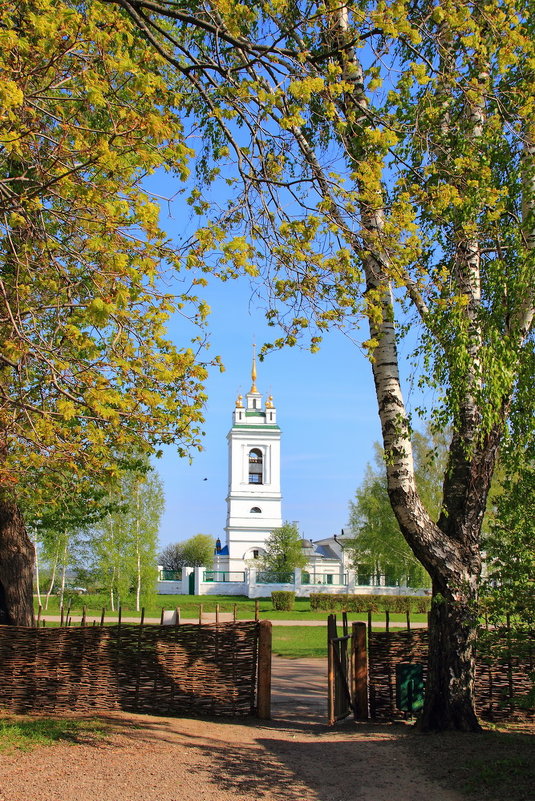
<point>223,588</point>
<point>169,588</point>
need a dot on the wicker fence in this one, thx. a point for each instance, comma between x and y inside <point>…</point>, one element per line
<point>167,670</point>
<point>504,669</point>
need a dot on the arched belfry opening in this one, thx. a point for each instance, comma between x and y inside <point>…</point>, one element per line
<point>256,466</point>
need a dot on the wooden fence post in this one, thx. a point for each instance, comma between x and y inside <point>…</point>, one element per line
<point>264,670</point>
<point>331,677</point>
<point>360,672</point>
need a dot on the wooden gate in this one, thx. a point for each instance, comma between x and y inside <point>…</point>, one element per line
<point>347,674</point>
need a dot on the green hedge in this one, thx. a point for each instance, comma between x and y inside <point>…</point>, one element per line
<point>323,601</point>
<point>283,600</point>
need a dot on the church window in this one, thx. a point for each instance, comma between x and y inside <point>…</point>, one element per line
<point>256,554</point>
<point>256,510</point>
<point>255,466</point>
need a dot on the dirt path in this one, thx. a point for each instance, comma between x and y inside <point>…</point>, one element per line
<point>295,757</point>
<point>210,617</point>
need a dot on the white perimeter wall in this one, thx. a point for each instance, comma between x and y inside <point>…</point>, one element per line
<point>251,589</point>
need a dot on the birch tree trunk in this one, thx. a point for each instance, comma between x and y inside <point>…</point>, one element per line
<point>52,578</point>
<point>112,596</point>
<point>37,579</point>
<point>63,576</point>
<point>453,565</point>
<point>138,549</point>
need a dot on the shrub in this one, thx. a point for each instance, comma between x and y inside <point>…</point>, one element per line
<point>423,605</point>
<point>327,602</point>
<point>283,600</point>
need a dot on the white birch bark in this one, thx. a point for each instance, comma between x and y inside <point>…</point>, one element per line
<point>37,580</point>
<point>138,550</point>
<point>63,576</point>
<point>52,578</point>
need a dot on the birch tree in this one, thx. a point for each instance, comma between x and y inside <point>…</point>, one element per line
<point>124,543</point>
<point>378,159</point>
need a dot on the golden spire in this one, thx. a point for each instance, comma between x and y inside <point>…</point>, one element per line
<point>253,371</point>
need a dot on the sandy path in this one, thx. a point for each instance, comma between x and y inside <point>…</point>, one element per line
<point>295,757</point>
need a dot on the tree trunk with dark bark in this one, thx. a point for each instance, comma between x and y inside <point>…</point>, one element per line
<point>449,692</point>
<point>17,556</point>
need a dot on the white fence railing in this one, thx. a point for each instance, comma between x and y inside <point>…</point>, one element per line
<point>260,584</point>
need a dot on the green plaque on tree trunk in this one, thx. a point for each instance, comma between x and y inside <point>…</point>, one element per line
<point>409,687</point>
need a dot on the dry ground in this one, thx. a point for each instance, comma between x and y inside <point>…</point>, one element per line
<point>295,757</point>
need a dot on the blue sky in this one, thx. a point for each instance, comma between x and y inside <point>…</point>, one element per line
<point>326,409</point>
<point>325,404</point>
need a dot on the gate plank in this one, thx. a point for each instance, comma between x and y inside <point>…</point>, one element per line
<point>360,672</point>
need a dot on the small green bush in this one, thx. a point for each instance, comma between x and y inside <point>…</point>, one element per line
<point>283,600</point>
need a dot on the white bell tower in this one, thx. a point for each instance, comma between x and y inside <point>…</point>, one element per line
<point>254,491</point>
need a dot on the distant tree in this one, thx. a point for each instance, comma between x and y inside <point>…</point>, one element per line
<point>61,527</point>
<point>124,542</point>
<point>197,551</point>
<point>172,556</point>
<point>378,546</point>
<point>510,548</point>
<point>283,550</point>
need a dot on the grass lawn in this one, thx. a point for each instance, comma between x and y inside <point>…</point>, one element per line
<point>295,642</point>
<point>24,733</point>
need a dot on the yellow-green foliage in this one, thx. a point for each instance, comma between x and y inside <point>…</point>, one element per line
<point>87,367</point>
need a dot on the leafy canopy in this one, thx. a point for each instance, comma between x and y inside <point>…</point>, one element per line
<point>369,147</point>
<point>283,550</point>
<point>197,551</point>
<point>87,368</point>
